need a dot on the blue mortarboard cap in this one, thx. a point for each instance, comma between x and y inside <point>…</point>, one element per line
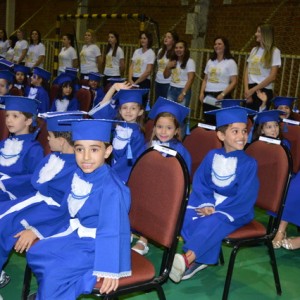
<point>269,116</point>
<point>6,64</point>
<point>132,95</point>
<point>165,105</point>
<point>23,104</point>
<point>280,100</point>
<point>42,73</point>
<point>21,68</point>
<point>71,72</point>
<point>231,102</point>
<point>7,75</point>
<point>229,115</point>
<point>62,78</point>
<point>52,119</point>
<point>95,76</point>
<point>116,79</point>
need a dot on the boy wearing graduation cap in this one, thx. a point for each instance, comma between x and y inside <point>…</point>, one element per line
<point>39,80</point>
<point>225,187</point>
<point>6,83</point>
<point>94,84</point>
<point>286,105</point>
<point>92,247</point>
<point>39,213</point>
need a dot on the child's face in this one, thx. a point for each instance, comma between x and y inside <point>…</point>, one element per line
<point>235,137</point>
<point>4,87</point>
<point>130,111</point>
<point>16,122</point>
<point>54,143</point>
<point>270,129</point>
<point>91,155</point>
<point>67,90</point>
<point>36,80</point>
<point>165,129</point>
<point>94,84</point>
<point>20,77</point>
<point>287,111</point>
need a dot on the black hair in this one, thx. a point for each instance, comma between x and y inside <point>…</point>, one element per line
<point>227,53</point>
<point>39,36</point>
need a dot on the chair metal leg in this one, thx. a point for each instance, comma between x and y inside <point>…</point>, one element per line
<point>229,272</point>
<point>26,283</point>
<point>274,267</point>
<point>160,292</point>
<point>221,257</point>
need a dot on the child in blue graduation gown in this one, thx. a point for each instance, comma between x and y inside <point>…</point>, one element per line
<point>21,81</point>
<point>39,80</point>
<point>65,100</point>
<point>40,214</point>
<point>20,153</point>
<point>168,117</point>
<point>225,187</point>
<point>96,89</point>
<point>93,246</point>
<point>6,81</point>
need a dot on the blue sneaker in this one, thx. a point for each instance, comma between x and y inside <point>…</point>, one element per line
<point>192,270</point>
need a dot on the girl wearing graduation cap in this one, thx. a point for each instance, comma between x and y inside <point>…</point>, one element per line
<point>65,100</point>
<point>20,153</point>
<point>6,83</point>
<point>94,81</point>
<point>38,90</point>
<point>40,214</point>
<point>92,247</point>
<point>21,81</point>
<point>225,187</point>
<point>128,139</point>
<point>286,105</point>
<point>168,116</point>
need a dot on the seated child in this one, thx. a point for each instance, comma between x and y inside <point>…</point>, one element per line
<point>225,187</point>
<point>38,90</point>
<point>21,80</point>
<point>20,153</point>
<point>40,214</point>
<point>97,91</point>
<point>65,100</point>
<point>6,81</point>
<point>168,117</point>
<point>93,247</point>
<point>286,105</point>
<point>128,138</point>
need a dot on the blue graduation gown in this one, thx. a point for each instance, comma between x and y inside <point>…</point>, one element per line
<point>98,96</point>
<point>127,138</point>
<point>39,93</point>
<point>44,210</point>
<point>66,105</point>
<point>229,183</point>
<point>96,244</point>
<point>19,156</point>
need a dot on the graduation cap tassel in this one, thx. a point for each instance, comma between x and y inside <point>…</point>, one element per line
<point>250,135</point>
<point>187,129</point>
<point>129,152</point>
<point>148,105</point>
<point>285,127</point>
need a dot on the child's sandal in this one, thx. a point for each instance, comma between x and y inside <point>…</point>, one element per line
<point>141,251</point>
<point>278,243</point>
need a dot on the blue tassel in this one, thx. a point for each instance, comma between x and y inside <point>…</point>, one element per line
<point>129,152</point>
<point>35,134</point>
<point>250,135</point>
<point>148,105</point>
<point>285,127</point>
<point>187,129</point>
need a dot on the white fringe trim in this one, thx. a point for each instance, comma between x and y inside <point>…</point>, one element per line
<point>112,275</point>
<point>25,224</point>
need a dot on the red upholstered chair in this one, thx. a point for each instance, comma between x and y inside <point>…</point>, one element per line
<point>4,133</point>
<point>199,142</point>
<point>43,136</point>
<point>159,188</point>
<point>148,129</point>
<point>274,172</point>
<point>84,97</point>
<point>14,91</point>
<point>53,92</point>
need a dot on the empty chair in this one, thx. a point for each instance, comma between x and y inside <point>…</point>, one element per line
<point>84,97</point>
<point>4,133</point>
<point>42,136</point>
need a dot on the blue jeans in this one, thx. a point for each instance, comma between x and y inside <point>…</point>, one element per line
<point>161,90</point>
<point>174,92</point>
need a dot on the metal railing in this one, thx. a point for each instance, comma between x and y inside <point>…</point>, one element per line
<point>287,82</point>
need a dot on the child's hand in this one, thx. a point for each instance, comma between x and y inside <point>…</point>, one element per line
<point>122,86</point>
<point>108,285</point>
<point>171,64</point>
<point>205,211</point>
<point>25,240</point>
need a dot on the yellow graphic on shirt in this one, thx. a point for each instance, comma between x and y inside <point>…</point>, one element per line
<point>213,75</point>
<point>30,57</point>
<point>83,56</point>
<point>161,65</point>
<point>254,65</point>
<point>138,66</point>
<point>60,62</point>
<point>108,61</point>
<point>175,75</point>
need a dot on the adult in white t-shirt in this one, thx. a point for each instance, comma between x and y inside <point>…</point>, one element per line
<point>21,48</point>
<point>220,76</point>
<point>36,52</point>
<point>182,72</point>
<point>90,55</point>
<point>67,57</point>
<point>142,63</point>
<point>4,43</point>
<point>262,68</point>
<point>114,58</point>
<point>163,56</point>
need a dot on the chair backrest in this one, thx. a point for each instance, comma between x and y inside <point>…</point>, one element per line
<point>14,91</point>
<point>159,188</point>
<point>199,143</point>
<point>43,136</point>
<point>274,172</point>
<point>292,134</point>
<point>53,92</point>
<point>4,133</point>
<point>149,129</point>
<point>84,97</point>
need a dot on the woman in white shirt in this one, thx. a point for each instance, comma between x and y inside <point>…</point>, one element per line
<point>90,55</point>
<point>114,63</point>
<point>67,57</point>
<point>262,68</point>
<point>4,44</point>
<point>21,48</point>
<point>164,54</point>
<point>36,52</point>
